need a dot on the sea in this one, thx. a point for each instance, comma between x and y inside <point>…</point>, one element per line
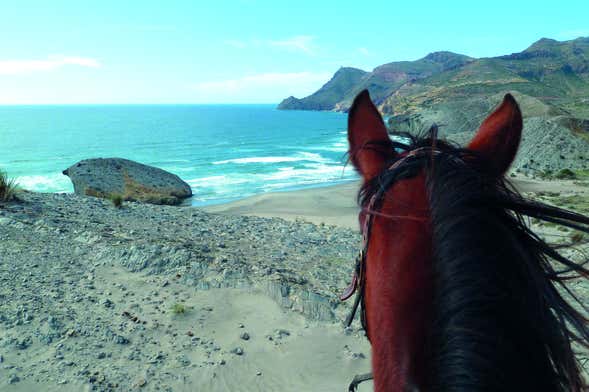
<point>225,152</point>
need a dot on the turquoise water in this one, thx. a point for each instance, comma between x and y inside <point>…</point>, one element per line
<point>225,152</point>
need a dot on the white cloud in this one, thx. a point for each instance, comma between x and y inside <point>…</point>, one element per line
<point>12,67</point>
<point>302,43</point>
<point>266,87</point>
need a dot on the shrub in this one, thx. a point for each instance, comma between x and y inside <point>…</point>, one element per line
<point>566,174</point>
<point>178,308</point>
<point>545,174</point>
<point>577,237</point>
<point>8,187</point>
<point>116,199</point>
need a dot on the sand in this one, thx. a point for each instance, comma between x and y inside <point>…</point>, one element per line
<point>331,205</point>
<point>336,204</point>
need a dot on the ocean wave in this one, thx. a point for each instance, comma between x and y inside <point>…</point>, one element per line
<point>56,183</point>
<point>177,169</point>
<point>218,181</point>
<point>299,156</point>
<point>311,172</point>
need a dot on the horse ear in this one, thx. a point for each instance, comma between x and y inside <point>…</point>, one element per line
<point>370,146</point>
<point>499,135</point>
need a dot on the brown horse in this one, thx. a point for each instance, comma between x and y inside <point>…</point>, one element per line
<point>458,293</point>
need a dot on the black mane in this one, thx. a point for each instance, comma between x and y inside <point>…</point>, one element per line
<point>499,322</point>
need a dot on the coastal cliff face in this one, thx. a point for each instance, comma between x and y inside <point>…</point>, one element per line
<point>341,84</point>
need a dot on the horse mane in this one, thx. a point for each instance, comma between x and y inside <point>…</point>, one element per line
<point>499,323</point>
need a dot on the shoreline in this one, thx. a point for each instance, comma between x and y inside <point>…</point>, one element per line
<point>331,205</point>
<point>336,204</point>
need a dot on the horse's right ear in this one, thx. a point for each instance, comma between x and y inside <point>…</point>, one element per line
<point>498,138</point>
<point>370,146</point>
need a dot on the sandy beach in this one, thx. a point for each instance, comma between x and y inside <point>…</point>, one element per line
<point>331,205</point>
<point>336,204</point>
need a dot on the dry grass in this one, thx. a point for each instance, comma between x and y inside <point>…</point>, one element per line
<point>8,187</point>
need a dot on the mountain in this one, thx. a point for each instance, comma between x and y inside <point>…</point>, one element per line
<point>338,93</point>
<point>550,80</point>
<point>554,72</point>
<point>339,86</point>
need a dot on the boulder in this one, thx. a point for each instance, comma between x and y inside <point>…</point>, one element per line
<point>107,177</point>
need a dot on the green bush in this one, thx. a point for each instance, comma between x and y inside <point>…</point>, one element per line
<point>565,174</point>
<point>178,308</point>
<point>577,237</point>
<point>117,200</point>
<point>8,187</point>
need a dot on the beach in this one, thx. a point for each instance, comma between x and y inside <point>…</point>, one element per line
<point>331,205</point>
<point>234,297</point>
<point>337,204</point>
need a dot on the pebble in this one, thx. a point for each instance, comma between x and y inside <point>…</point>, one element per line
<point>237,351</point>
<point>245,336</point>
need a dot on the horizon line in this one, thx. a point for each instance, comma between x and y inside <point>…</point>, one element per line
<point>139,104</point>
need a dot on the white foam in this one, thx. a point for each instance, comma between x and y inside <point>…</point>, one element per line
<point>312,172</point>
<point>216,181</point>
<point>257,160</point>
<point>299,156</point>
<point>56,182</point>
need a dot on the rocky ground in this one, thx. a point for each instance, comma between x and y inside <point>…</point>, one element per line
<point>169,298</point>
<point>161,298</point>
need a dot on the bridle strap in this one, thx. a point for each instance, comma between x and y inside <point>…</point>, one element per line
<point>359,276</point>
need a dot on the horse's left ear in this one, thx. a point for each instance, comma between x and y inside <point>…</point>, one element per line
<point>371,148</point>
<point>499,135</point>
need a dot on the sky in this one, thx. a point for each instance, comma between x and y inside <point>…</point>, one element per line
<point>248,51</point>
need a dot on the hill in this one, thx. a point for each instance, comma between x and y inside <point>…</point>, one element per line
<point>550,79</point>
<point>338,93</point>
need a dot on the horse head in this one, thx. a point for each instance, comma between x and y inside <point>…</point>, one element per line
<point>438,276</point>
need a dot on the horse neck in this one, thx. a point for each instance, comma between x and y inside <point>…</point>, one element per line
<point>398,288</point>
<point>490,322</point>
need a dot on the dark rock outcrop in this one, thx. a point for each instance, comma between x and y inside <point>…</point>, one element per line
<point>106,177</point>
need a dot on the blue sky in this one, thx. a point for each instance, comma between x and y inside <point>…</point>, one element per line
<point>247,51</point>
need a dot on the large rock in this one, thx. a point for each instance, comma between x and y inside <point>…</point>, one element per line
<point>105,177</point>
